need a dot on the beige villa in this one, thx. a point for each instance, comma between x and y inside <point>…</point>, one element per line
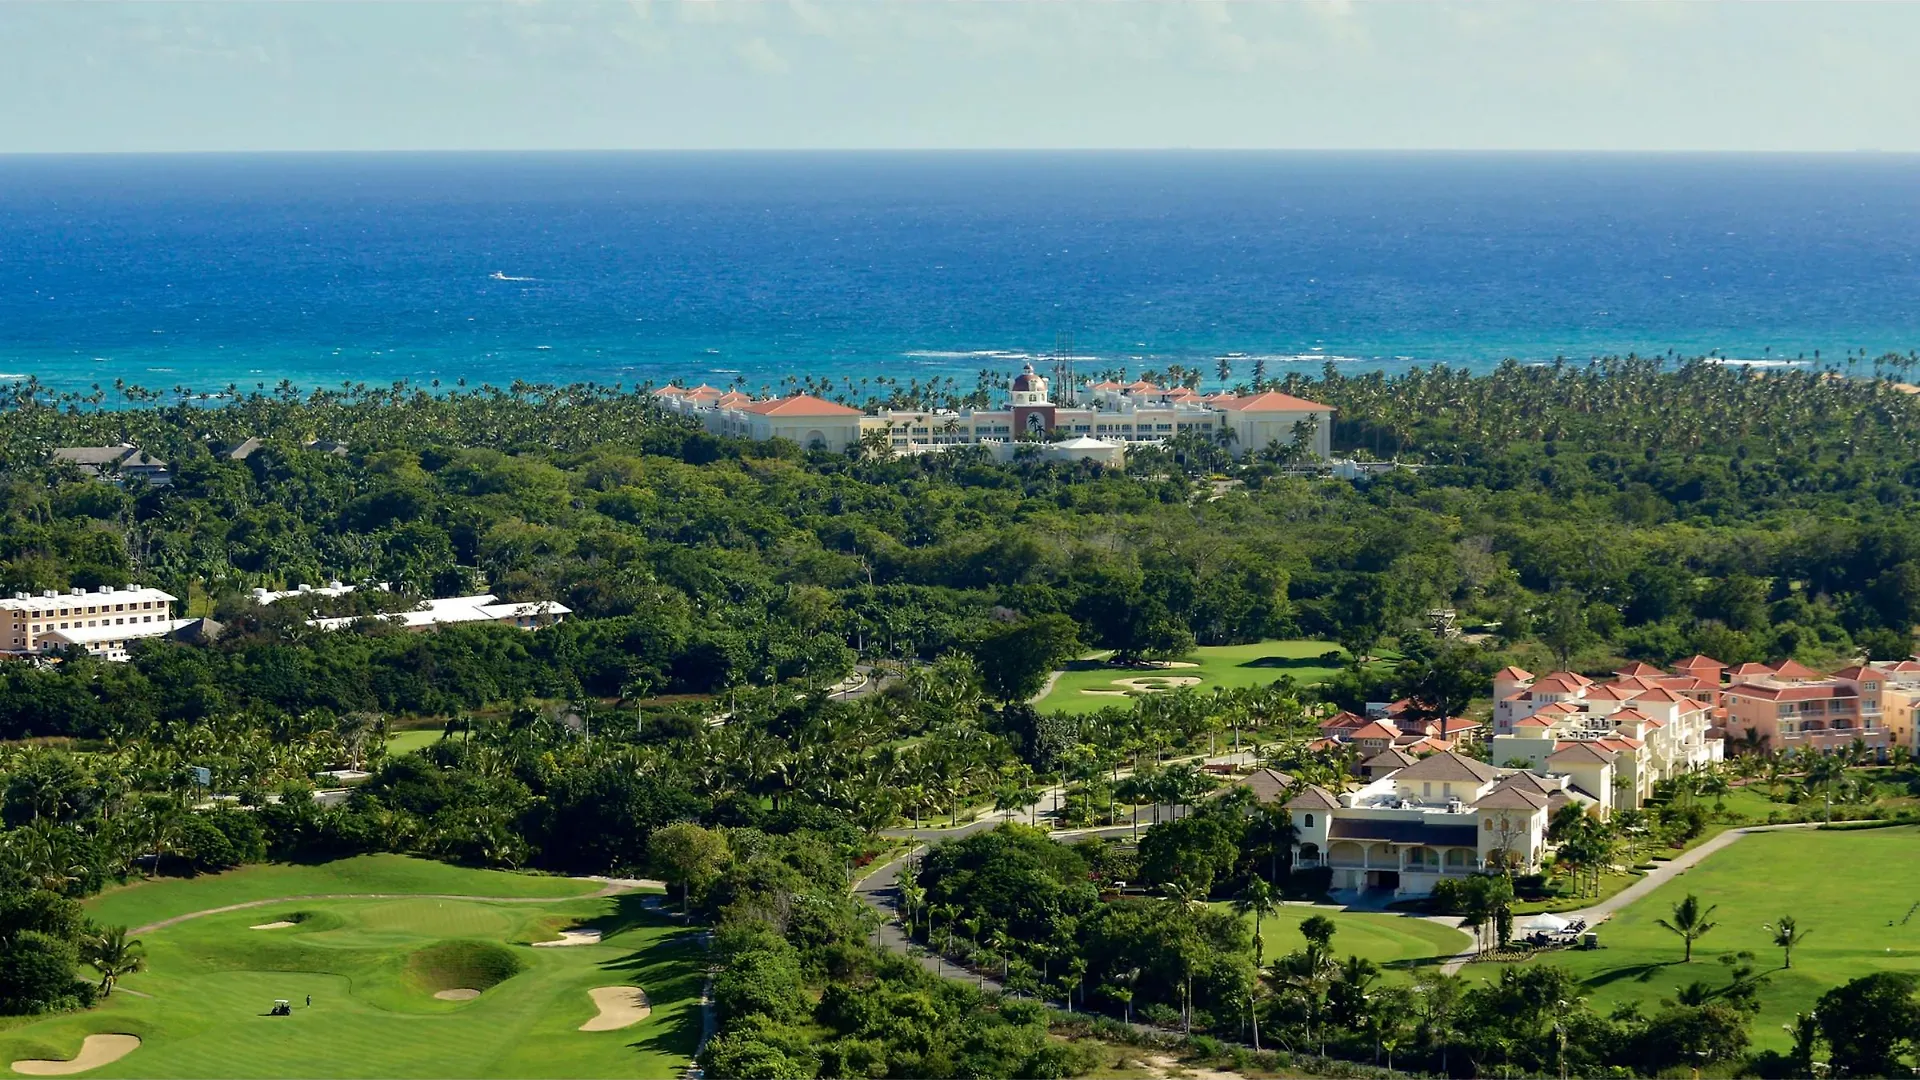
<point>1442,816</point>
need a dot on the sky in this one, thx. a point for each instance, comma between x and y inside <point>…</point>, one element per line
<point>834,74</point>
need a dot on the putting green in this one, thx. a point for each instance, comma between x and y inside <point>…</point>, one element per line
<point>1856,892</point>
<point>1093,684</point>
<point>372,968</point>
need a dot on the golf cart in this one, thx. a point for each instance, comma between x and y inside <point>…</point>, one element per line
<point>281,1007</point>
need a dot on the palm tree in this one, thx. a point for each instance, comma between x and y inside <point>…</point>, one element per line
<point>1787,934</point>
<point>1689,922</point>
<point>1257,900</point>
<point>112,955</point>
<point>913,897</point>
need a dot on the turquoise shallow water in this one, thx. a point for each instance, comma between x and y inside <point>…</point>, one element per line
<point>207,270</point>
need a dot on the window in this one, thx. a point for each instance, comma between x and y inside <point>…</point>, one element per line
<point>1487,824</point>
<point>1426,790</point>
<point>1309,821</point>
<point>1446,790</point>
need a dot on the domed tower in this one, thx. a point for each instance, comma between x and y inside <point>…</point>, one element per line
<point>1028,388</point>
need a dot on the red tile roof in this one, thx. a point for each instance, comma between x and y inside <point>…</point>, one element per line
<point>1271,401</point>
<point>1379,729</point>
<point>1620,742</point>
<point>1813,692</point>
<point>1750,670</point>
<point>1638,668</point>
<point>1611,692</point>
<point>1858,672</point>
<point>1512,674</point>
<point>800,405</point>
<point>1698,661</point>
<point>1794,669</point>
<point>1658,693</point>
<point>1343,719</point>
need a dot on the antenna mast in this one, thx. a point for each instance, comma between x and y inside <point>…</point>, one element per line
<point>1066,387</point>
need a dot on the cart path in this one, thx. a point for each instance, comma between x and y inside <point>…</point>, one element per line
<point>1662,873</point>
<point>609,887</point>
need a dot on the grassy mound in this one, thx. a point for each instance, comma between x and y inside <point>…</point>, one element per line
<point>461,965</point>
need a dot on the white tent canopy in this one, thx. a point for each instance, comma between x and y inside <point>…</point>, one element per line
<point>1547,921</point>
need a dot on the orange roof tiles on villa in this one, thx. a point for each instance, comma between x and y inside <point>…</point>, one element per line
<point>799,405</point>
<point>1794,669</point>
<point>1271,401</point>
<point>1858,672</point>
<point>1698,661</point>
<point>1661,693</point>
<point>1638,668</point>
<point>1512,674</point>
<point>1612,692</point>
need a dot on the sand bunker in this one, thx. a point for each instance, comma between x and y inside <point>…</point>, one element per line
<point>571,937</point>
<point>281,924</point>
<point>620,1006</point>
<point>96,1051</point>
<point>1156,683</point>
<point>1106,693</point>
<point>1171,663</point>
<point>458,993</point>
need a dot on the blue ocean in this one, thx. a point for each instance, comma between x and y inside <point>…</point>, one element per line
<point>207,270</point>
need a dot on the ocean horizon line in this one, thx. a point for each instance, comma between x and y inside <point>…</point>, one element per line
<point>1612,153</point>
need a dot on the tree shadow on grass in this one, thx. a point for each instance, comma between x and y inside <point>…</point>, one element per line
<point>1636,972</point>
<point>628,911</point>
<point>1286,663</point>
<point>672,970</point>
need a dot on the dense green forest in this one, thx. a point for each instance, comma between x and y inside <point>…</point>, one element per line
<point>1570,514</point>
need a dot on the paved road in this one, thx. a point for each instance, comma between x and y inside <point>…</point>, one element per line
<point>1667,871</point>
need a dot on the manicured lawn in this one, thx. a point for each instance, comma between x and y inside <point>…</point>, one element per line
<point>1231,666</point>
<point>372,967</point>
<point>149,902</point>
<point>1395,942</point>
<point>1853,890</point>
<point>406,742</point>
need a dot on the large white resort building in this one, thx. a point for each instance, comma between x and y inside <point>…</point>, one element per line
<point>1115,417</point>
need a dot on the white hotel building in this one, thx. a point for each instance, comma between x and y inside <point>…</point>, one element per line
<point>1117,416</point>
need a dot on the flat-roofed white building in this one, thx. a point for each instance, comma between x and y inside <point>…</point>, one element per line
<point>447,611</point>
<point>109,642</point>
<point>25,618</point>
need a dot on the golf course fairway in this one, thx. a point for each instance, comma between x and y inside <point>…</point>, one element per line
<point>374,966</point>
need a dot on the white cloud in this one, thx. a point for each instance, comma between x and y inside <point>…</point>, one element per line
<point>762,57</point>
